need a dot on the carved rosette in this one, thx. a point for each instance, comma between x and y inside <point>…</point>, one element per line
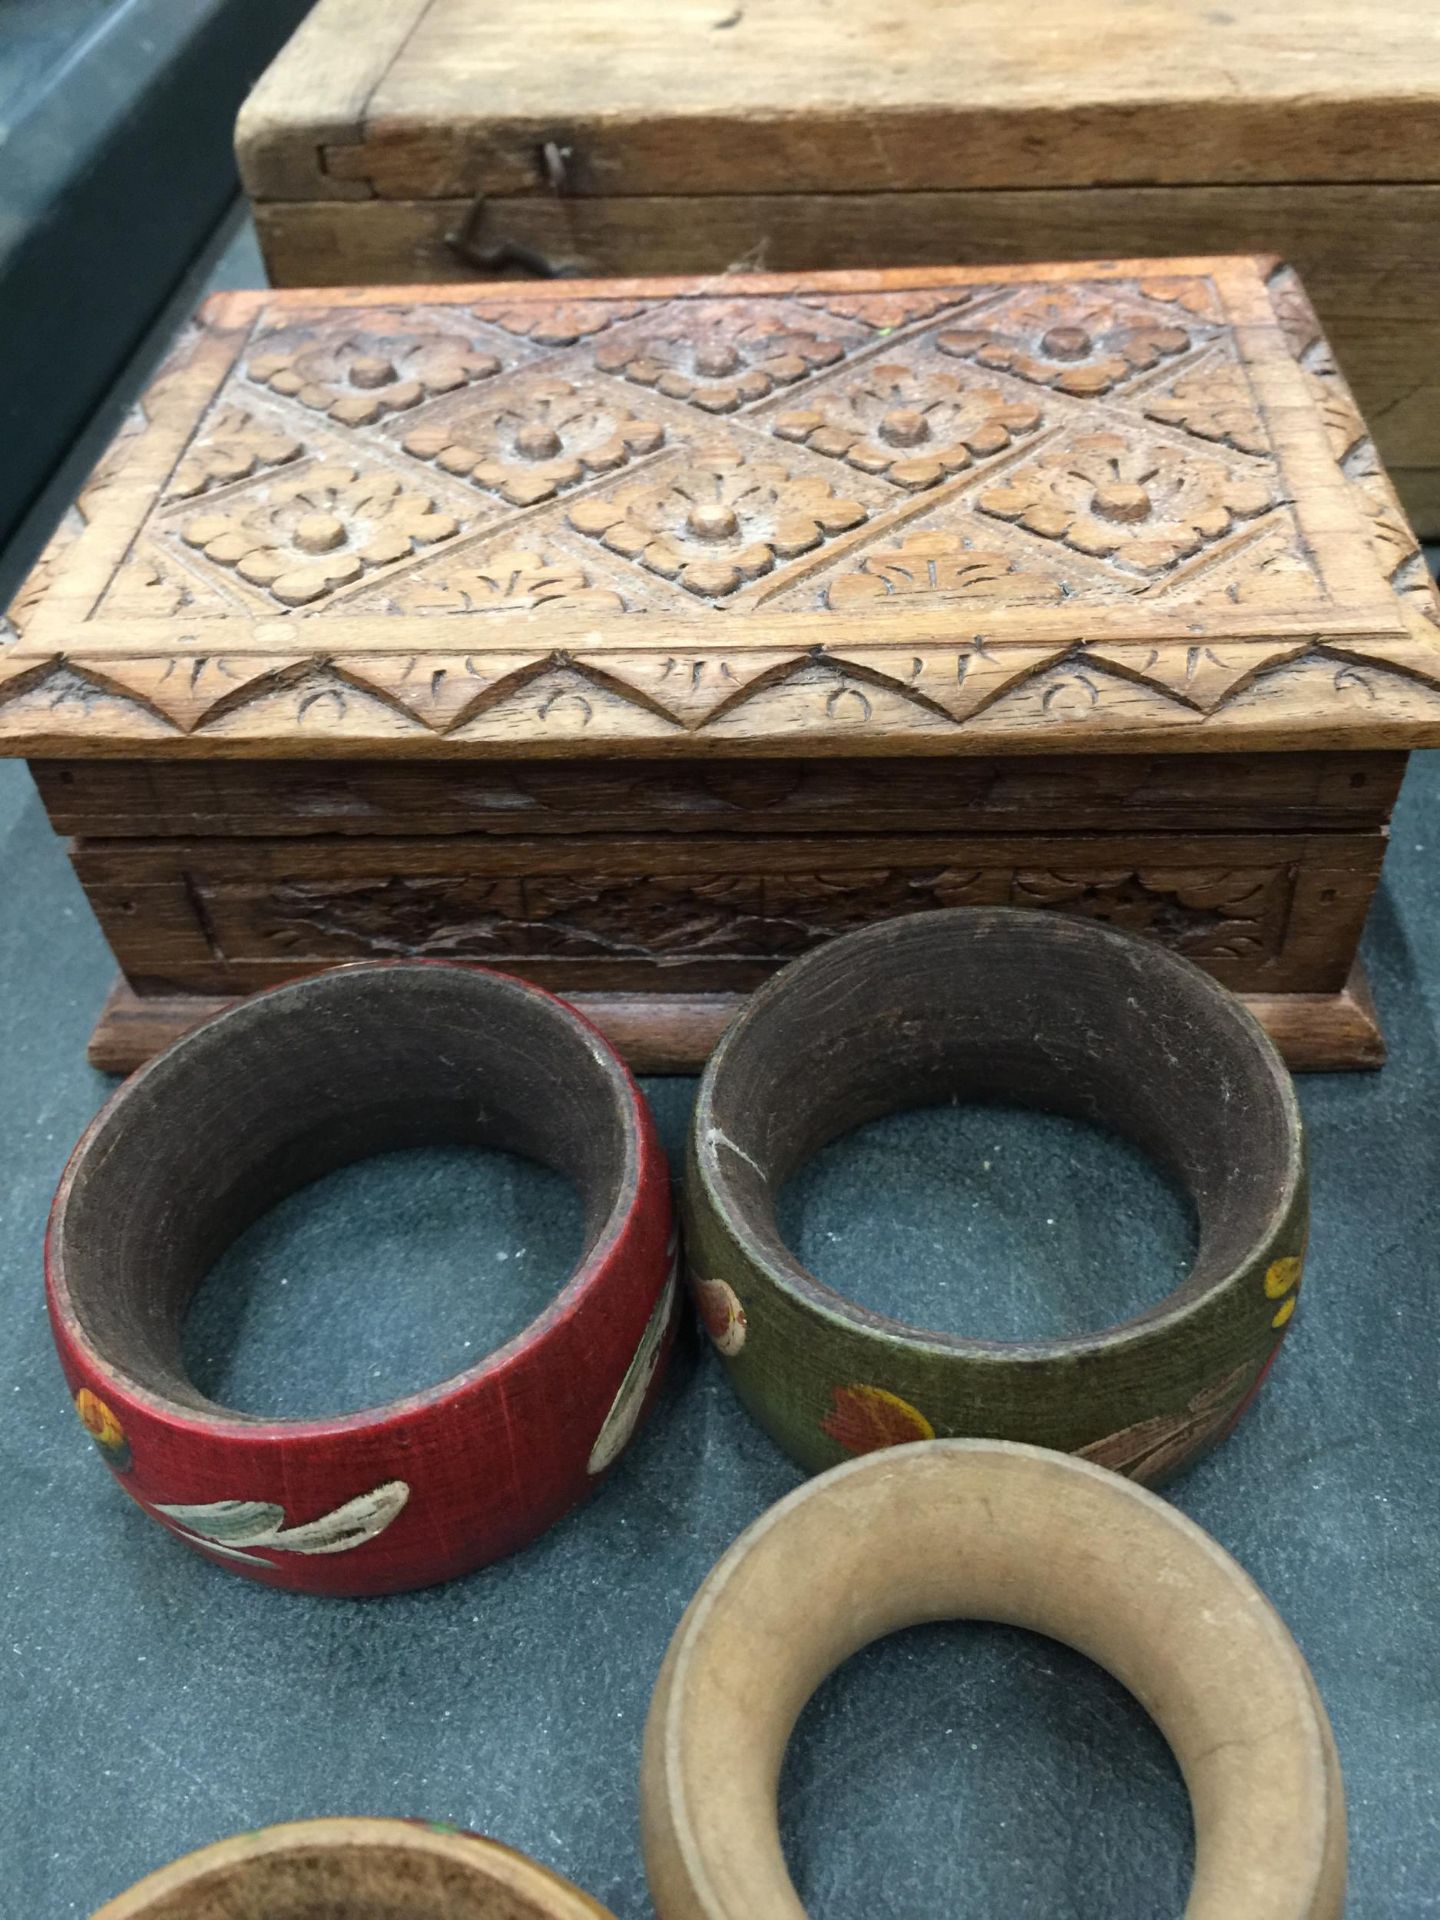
<point>233,445</point>
<point>362,376</point>
<point>887,311</point>
<point>301,541</point>
<point>715,364</point>
<point>539,439</point>
<point>720,520</point>
<point>1140,507</point>
<point>1214,403</point>
<point>1068,338</point>
<point>557,323</point>
<point>914,428</point>
<point>940,563</point>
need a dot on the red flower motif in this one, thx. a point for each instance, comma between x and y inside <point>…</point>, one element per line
<point>864,1419</point>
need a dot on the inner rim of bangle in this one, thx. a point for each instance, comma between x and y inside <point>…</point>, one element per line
<point>292,1085</point>
<point>1062,1016</point>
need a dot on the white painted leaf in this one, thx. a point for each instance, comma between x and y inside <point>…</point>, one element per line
<point>349,1526</point>
<point>624,1414</point>
<point>249,1521</point>
<point>222,1524</point>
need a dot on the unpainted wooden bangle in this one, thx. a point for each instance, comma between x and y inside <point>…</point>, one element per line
<point>274,1093</point>
<point>1041,1010</point>
<point>969,1529</point>
<point>339,1869</point>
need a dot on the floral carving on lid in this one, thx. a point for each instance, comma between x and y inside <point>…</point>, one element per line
<point>233,445</point>
<point>937,562</point>
<point>886,311</point>
<point>1064,338</point>
<point>914,428</point>
<point>508,580</point>
<point>718,365</point>
<point>557,323</point>
<point>718,521</point>
<point>301,541</point>
<point>1141,506</point>
<point>542,437</point>
<point>1213,403</point>
<point>359,377</point>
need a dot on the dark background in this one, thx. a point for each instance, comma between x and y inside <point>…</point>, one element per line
<point>151,1702</point>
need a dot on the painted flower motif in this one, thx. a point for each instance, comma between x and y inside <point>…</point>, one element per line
<point>864,1419</point>
<point>721,1315</point>
<point>302,540</point>
<point>104,1429</point>
<point>1282,1284</point>
<point>1150,1450</point>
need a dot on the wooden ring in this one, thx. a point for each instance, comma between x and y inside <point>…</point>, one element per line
<point>271,1094</point>
<point>1045,1011</point>
<point>972,1529</point>
<point>337,1869</point>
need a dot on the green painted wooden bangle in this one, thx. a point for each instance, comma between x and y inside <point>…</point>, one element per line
<point>965,1529</point>
<point>1041,1010</point>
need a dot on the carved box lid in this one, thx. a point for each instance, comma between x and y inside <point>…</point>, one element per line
<point>1108,506</point>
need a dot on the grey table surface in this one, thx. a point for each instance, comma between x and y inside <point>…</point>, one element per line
<point>151,1702</point>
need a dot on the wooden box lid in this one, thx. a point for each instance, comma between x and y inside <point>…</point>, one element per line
<point>1112,507</point>
<point>442,99</point>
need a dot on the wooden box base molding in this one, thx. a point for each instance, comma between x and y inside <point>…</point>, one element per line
<point>271,1095</point>
<point>337,1869</point>
<point>983,1530</point>
<point>664,1033</point>
<point>639,638</point>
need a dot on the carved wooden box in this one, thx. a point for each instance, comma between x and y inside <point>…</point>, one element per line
<point>445,139</point>
<point>636,638</point>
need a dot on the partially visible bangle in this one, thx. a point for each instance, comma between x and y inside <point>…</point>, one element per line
<point>968,1529</point>
<point>272,1094</point>
<point>1041,1010</point>
<point>405,1870</point>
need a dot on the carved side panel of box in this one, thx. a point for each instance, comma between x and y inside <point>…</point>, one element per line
<point>1263,913</point>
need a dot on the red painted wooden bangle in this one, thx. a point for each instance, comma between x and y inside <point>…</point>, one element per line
<point>272,1094</point>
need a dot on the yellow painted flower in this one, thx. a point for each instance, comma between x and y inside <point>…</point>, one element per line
<point>1282,1283</point>
<point>103,1428</point>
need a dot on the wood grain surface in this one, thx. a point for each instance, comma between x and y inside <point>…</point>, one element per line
<point>967,1530</point>
<point>429,101</point>
<point>666,1032</point>
<point>354,1870</point>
